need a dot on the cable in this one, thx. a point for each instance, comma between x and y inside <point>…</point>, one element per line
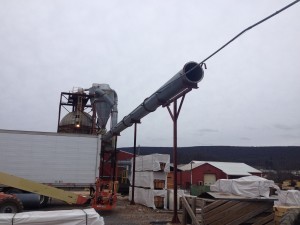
<point>249,28</point>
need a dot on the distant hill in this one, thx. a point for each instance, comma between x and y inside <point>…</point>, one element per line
<point>276,158</point>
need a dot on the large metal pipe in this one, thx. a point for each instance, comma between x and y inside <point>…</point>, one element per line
<point>29,200</point>
<point>188,77</point>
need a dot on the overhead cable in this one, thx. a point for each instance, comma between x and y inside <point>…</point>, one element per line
<point>249,28</point>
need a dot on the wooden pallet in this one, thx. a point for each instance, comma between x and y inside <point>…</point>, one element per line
<point>233,212</point>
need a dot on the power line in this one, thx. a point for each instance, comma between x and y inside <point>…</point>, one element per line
<point>249,28</point>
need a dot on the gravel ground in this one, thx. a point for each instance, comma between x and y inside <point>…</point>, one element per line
<point>124,213</point>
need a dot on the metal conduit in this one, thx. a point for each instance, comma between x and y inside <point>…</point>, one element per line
<point>188,77</point>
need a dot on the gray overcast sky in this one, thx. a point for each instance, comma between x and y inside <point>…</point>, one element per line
<point>250,94</point>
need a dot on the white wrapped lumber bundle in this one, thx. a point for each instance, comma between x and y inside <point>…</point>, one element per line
<point>153,162</point>
<point>288,198</point>
<point>150,179</point>
<point>250,186</point>
<point>149,197</point>
<point>59,217</point>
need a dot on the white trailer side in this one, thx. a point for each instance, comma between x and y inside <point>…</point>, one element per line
<point>59,159</point>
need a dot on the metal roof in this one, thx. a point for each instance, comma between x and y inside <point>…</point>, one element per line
<point>229,168</point>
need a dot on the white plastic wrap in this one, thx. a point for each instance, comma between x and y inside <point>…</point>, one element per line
<point>146,178</point>
<point>250,186</point>
<point>6,218</point>
<point>59,217</point>
<point>180,193</point>
<point>152,162</point>
<point>288,198</point>
<point>146,196</point>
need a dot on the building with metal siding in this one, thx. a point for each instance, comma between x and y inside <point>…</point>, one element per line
<point>206,173</point>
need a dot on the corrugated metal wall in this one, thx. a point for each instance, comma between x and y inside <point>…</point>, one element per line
<point>49,157</point>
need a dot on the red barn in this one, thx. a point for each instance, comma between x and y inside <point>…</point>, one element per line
<point>123,160</point>
<point>122,155</point>
<point>123,166</point>
<point>207,173</point>
<point>123,170</point>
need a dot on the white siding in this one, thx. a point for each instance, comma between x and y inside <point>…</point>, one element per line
<point>49,157</point>
<point>209,179</point>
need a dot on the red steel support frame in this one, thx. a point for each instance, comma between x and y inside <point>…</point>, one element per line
<point>133,166</point>
<point>174,115</point>
<point>115,159</point>
<point>67,103</point>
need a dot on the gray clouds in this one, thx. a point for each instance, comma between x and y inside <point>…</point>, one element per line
<point>48,47</point>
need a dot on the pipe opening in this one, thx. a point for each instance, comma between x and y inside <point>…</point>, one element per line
<point>193,72</point>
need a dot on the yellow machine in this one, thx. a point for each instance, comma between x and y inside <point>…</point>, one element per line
<point>103,197</point>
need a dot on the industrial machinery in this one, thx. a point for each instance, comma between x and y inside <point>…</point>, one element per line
<point>9,203</point>
<point>88,111</point>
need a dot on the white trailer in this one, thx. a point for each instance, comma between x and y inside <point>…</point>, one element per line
<point>57,159</point>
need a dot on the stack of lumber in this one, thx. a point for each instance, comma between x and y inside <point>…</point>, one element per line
<point>238,212</point>
<point>56,217</point>
<point>281,211</point>
<point>150,185</point>
<point>232,211</point>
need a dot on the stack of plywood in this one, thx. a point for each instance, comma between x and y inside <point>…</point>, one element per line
<point>227,211</point>
<point>150,180</point>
